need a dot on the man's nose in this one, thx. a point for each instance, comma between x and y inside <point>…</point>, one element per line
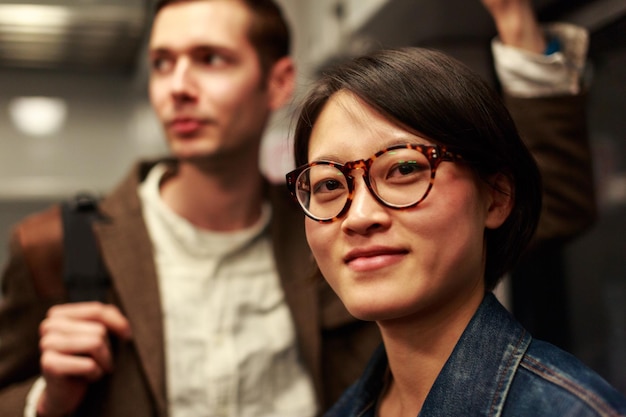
<point>183,83</point>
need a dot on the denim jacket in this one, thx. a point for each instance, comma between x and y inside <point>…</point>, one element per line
<point>496,369</point>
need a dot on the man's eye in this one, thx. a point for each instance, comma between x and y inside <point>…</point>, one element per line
<point>212,59</point>
<point>161,64</point>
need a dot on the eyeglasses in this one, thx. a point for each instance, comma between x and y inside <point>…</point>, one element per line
<point>398,177</point>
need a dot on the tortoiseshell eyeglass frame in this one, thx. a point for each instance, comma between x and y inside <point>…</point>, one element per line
<point>434,153</point>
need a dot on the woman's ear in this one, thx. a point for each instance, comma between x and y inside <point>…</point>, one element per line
<point>501,198</point>
<point>281,82</point>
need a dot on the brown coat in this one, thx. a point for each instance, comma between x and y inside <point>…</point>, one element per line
<point>333,345</point>
<point>555,131</point>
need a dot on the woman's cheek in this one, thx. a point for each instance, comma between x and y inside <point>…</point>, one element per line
<point>313,238</point>
<point>320,239</point>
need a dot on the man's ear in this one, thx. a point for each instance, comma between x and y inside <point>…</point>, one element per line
<point>501,198</point>
<point>281,82</point>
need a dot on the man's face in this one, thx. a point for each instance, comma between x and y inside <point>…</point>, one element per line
<point>206,84</point>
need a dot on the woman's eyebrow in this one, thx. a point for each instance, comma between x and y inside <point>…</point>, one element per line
<point>330,158</point>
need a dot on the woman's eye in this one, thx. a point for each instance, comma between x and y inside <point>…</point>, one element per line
<point>327,186</point>
<point>404,169</point>
<point>406,172</point>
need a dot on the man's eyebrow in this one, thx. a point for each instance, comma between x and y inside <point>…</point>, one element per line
<point>159,50</point>
<point>191,49</point>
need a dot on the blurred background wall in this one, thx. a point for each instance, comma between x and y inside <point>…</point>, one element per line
<point>74,114</point>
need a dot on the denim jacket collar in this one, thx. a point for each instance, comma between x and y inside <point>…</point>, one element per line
<point>476,376</point>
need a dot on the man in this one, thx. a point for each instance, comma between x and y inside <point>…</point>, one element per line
<point>212,307</point>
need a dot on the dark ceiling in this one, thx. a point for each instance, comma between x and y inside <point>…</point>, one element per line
<point>71,35</point>
<point>460,20</point>
<point>108,35</point>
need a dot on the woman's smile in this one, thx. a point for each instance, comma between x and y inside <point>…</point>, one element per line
<point>373,258</point>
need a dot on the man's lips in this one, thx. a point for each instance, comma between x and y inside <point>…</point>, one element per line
<point>185,125</point>
<point>366,259</point>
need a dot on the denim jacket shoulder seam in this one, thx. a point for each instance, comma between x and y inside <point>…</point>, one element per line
<point>591,399</point>
<point>496,405</point>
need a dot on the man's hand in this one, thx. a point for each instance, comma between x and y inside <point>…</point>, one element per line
<point>76,351</point>
<point>517,24</point>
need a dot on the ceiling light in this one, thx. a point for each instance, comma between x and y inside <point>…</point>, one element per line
<point>38,116</point>
<point>34,15</point>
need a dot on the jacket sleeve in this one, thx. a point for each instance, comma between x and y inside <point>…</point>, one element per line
<point>555,131</point>
<point>23,305</point>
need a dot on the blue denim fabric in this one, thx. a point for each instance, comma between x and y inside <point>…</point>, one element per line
<point>497,369</point>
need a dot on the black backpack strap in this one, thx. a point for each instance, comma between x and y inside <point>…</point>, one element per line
<point>84,274</point>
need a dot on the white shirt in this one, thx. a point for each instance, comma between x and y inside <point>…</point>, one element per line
<point>526,74</point>
<point>230,341</point>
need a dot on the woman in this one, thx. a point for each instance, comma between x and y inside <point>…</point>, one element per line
<point>420,256</point>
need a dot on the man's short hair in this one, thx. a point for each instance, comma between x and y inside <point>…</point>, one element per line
<point>269,32</point>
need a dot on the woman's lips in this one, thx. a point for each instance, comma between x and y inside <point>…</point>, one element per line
<point>369,259</point>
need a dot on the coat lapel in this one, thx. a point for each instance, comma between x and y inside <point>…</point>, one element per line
<point>295,266</point>
<point>127,252</point>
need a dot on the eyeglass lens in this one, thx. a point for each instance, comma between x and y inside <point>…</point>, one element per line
<point>399,178</point>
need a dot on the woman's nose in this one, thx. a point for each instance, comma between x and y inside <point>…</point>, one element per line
<point>366,213</point>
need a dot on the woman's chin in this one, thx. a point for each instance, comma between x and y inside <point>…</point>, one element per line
<point>373,311</point>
